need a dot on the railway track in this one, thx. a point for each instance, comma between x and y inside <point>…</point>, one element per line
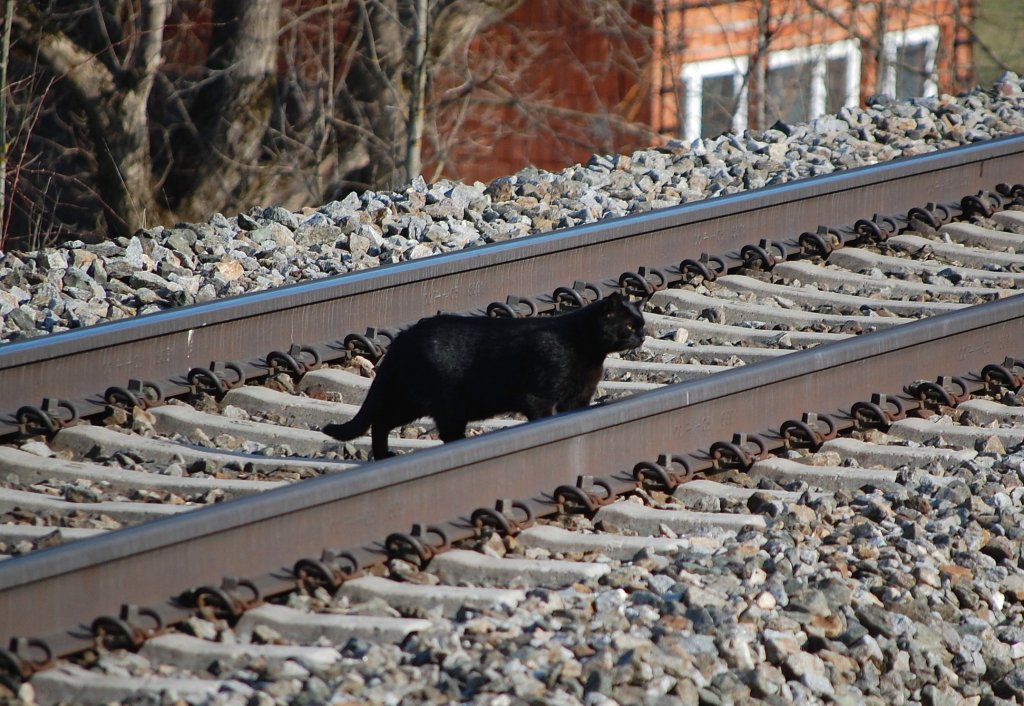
<point>619,574</point>
<point>741,293</point>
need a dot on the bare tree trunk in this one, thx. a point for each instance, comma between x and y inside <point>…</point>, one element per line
<point>881,26</point>
<point>113,93</point>
<point>121,131</point>
<point>417,95</point>
<point>231,112</point>
<point>759,71</point>
<point>5,46</point>
<point>372,107</point>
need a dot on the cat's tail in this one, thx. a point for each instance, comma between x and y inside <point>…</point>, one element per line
<point>368,413</point>
<point>349,430</point>
<point>353,427</point>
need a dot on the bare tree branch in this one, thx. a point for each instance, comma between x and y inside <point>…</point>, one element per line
<point>63,57</point>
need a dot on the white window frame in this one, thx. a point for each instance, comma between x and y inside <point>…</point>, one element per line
<point>894,41</point>
<point>818,56</point>
<point>693,76</point>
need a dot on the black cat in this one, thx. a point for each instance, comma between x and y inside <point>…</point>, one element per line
<point>460,368</point>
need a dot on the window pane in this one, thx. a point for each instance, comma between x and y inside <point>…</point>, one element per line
<point>835,85</point>
<point>788,94</point>
<point>717,105</point>
<point>911,70</point>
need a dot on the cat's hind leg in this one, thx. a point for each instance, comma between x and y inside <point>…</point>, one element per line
<point>379,442</point>
<point>382,426</point>
<point>573,403</point>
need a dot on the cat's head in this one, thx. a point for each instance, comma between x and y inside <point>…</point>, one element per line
<point>621,323</point>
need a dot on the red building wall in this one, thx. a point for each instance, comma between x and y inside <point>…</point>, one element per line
<point>559,83</point>
<point>555,85</point>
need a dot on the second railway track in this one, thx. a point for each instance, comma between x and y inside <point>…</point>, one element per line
<point>743,293</point>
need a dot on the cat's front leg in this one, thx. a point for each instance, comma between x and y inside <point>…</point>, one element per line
<point>451,428</point>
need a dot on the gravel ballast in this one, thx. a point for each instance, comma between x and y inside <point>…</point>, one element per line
<point>78,284</point>
<point>912,594</point>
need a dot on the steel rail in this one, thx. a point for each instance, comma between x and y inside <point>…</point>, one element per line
<point>79,366</point>
<point>52,592</point>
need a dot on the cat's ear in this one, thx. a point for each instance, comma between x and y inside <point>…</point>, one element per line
<point>613,302</point>
<point>617,300</point>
